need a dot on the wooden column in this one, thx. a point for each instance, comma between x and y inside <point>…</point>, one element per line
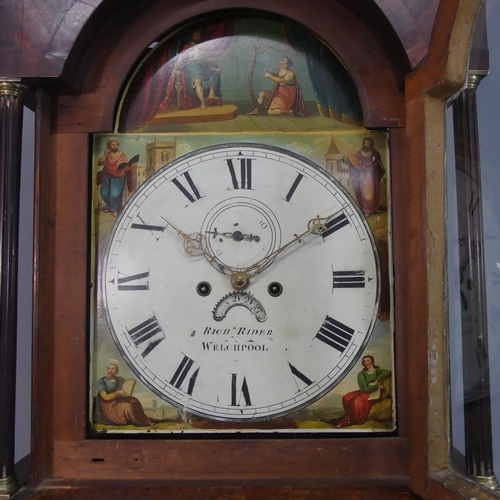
<point>11,117</point>
<point>477,407</point>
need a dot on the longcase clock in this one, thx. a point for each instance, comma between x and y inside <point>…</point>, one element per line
<point>231,224</point>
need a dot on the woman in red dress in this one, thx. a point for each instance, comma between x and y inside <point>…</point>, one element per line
<point>357,404</point>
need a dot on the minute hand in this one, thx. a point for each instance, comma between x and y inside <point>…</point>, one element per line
<point>315,226</point>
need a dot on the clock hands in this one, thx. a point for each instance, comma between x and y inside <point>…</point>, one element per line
<point>240,278</point>
<point>236,235</point>
<point>195,245</point>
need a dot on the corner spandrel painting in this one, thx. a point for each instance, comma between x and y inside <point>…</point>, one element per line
<point>255,81</point>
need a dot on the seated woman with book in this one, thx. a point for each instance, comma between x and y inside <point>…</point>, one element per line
<point>115,405</point>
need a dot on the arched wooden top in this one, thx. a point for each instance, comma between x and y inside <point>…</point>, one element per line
<point>412,21</point>
<point>38,36</point>
<point>100,64</point>
<point>444,71</point>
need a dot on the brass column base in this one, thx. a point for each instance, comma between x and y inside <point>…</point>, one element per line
<point>489,482</point>
<point>8,487</point>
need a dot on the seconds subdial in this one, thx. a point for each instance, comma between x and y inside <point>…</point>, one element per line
<point>240,231</point>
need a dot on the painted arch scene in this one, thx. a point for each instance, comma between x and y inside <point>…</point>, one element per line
<point>227,76</point>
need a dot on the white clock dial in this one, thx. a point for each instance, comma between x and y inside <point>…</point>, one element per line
<point>284,339</point>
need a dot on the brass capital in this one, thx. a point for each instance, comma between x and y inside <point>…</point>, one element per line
<point>474,78</point>
<point>13,88</point>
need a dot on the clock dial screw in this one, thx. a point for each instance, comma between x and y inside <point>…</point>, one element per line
<point>275,289</point>
<point>204,288</point>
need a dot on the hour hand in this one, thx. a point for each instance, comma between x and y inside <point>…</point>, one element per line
<point>195,245</point>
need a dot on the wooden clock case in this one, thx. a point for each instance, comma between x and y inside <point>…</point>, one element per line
<point>406,58</point>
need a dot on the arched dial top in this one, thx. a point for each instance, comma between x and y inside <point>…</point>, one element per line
<point>241,282</point>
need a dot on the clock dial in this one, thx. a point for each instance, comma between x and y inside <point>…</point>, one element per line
<point>296,325</point>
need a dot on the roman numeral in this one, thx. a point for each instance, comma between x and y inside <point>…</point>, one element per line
<point>296,182</point>
<point>244,391</point>
<point>194,190</point>
<point>348,279</point>
<point>182,372</point>
<point>148,227</point>
<point>148,334</point>
<point>334,225</point>
<point>245,173</point>
<point>335,334</point>
<point>299,374</point>
<point>135,277</point>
